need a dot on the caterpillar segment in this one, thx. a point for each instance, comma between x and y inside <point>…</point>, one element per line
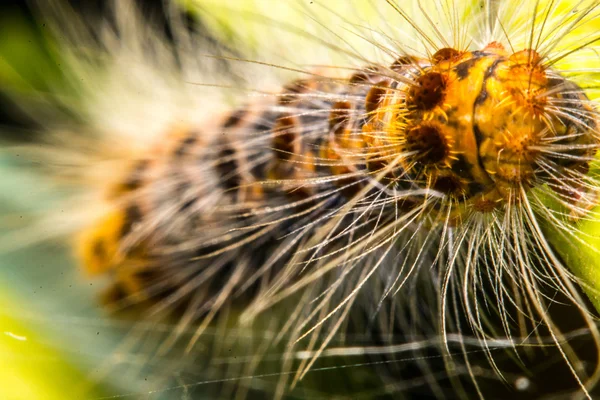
<point>458,133</point>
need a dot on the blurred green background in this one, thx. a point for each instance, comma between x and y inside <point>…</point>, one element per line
<point>55,342</point>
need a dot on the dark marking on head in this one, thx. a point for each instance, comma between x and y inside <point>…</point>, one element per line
<point>478,135</point>
<point>462,70</point>
<point>429,143</point>
<point>428,91</point>
<point>476,188</point>
<point>482,96</point>
<point>462,167</point>
<point>448,184</point>
<point>491,70</point>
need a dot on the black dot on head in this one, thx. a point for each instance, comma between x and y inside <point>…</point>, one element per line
<point>447,184</point>
<point>428,91</point>
<point>428,142</point>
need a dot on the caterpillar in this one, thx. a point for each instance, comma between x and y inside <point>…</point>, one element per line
<point>414,202</point>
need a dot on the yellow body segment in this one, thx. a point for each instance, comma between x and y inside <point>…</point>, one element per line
<point>98,246</point>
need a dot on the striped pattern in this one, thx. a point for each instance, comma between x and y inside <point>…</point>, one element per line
<point>460,123</point>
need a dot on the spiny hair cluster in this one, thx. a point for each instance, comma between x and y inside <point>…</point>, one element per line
<point>418,196</point>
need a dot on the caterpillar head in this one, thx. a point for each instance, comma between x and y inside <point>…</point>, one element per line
<point>486,127</point>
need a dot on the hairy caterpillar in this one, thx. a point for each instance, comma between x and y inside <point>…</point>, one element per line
<point>406,194</point>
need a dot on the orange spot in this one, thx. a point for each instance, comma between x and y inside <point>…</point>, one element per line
<point>445,54</point>
<point>528,57</point>
<point>494,47</point>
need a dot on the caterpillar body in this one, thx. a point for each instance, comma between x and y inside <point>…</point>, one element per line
<point>410,200</point>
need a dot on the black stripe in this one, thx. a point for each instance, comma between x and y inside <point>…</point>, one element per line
<point>479,100</point>
<point>227,167</point>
